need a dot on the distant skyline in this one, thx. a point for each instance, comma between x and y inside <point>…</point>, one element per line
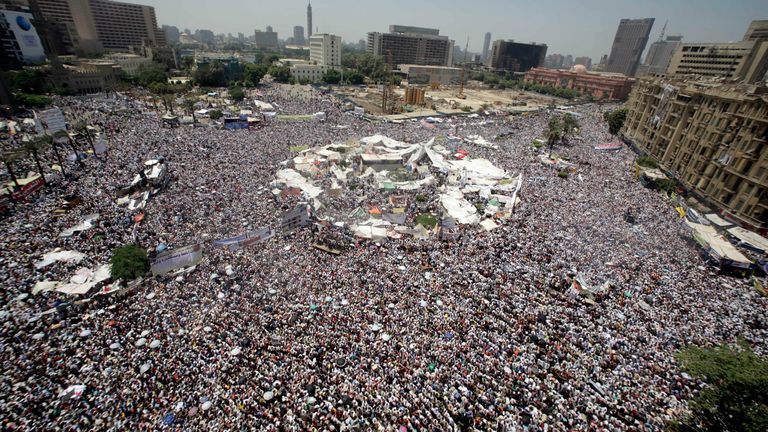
<point>583,28</point>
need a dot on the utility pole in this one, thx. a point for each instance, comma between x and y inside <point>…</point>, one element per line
<point>461,73</point>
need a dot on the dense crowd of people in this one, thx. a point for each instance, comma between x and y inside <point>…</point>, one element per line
<point>480,333</point>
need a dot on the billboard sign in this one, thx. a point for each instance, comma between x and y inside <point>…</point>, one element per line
<point>175,259</point>
<point>20,27</point>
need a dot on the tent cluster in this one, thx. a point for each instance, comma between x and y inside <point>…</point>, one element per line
<point>387,182</point>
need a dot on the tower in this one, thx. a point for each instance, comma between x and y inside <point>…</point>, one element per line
<point>309,20</point>
<point>486,46</point>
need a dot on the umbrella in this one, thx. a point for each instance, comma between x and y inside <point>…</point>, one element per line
<point>376,327</point>
<point>73,392</point>
<point>141,342</point>
<point>168,419</point>
<point>150,296</point>
<point>206,405</point>
<point>423,303</point>
<point>236,351</point>
<point>38,336</point>
<point>192,411</point>
<point>311,400</point>
<point>345,302</point>
<point>161,247</point>
<point>272,291</point>
<point>432,366</point>
<point>268,395</point>
<point>439,302</point>
<point>145,367</point>
<point>114,346</point>
<point>385,337</point>
<point>220,295</point>
<point>207,329</point>
<point>179,406</point>
<point>228,270</point>
<point>328,299</point>
<point>85,333</point>
<point>144,333</point>
<point>155,343</point>
<point>313,307</point>
<point>341,362</point>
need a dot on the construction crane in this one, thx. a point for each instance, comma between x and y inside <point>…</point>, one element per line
<point>388,94</point>
<point>461,94</point>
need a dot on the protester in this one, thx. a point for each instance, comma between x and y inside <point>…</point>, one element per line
<point>481,333</point>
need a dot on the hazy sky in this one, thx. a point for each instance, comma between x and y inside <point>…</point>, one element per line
<point>577,27</point>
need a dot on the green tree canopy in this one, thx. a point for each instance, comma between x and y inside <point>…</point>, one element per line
<point>736,395</point>
<point>215,114</point>
<point>281,74</point>
<point>27,81</point>
<point>31,100</point>
<point>236,93</point>
<point>616,120</point>
<point>254,73</point>
<point>355,78</point>
<point>332,76</point>
<point>150,73</point>
<point>211,76</point>
<point>129,262</point>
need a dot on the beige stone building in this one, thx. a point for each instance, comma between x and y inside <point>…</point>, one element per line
<point>743,61</point>
<point>711,136</point>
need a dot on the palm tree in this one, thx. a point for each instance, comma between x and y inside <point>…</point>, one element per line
<point>9,158</point>
<point>33,147</point>
<point>554,132</point>
<point>569,125</point>
<point>64,134</point>
<point>82,130</point>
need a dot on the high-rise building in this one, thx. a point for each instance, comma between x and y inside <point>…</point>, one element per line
<point>96,25</point>
<point>172,34</point>
<point>757,31</point>
<point>515,56</point>
<point>325,49</point>
<point>412,45</point>
<point>486,46</point>
<point>241,37</point>
<point>205,36</point>
<point>710,136</point>
<point>266,39</point>
<point>298,35</point>
<point>554,61</point>
<point>745,61</point>
<point>568,61</point>
<point>628,45</point>
<point>309,19</point>
<point>584,61</point>
<point>660,53</point>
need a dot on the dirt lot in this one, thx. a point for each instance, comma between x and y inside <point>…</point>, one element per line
<point>445,99</point>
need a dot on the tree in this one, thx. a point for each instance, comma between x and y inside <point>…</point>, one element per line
<point>31,100</point>
<point>149,73</point>
<point>570,125</point>
<point>236,93</point>
<point>616,120</point>
<point>332,76</point>
<point>128,262</point>
<point>215,114</point>
<point>211,76</point>
<point>253,74</point>
<point>33,147</point>
<point>554,132</point>
<point>736,395</point>
<point>27,81</point>
<point>281,74</point>
<point>355,78</point>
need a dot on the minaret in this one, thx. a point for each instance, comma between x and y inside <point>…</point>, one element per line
<point>309,20</point>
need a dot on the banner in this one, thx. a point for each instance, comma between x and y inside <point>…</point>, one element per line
<point>175,259</point>
<point>245,240</point>
<point>28,189</point>
<point>298,217</point>
<point>53,119</point>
